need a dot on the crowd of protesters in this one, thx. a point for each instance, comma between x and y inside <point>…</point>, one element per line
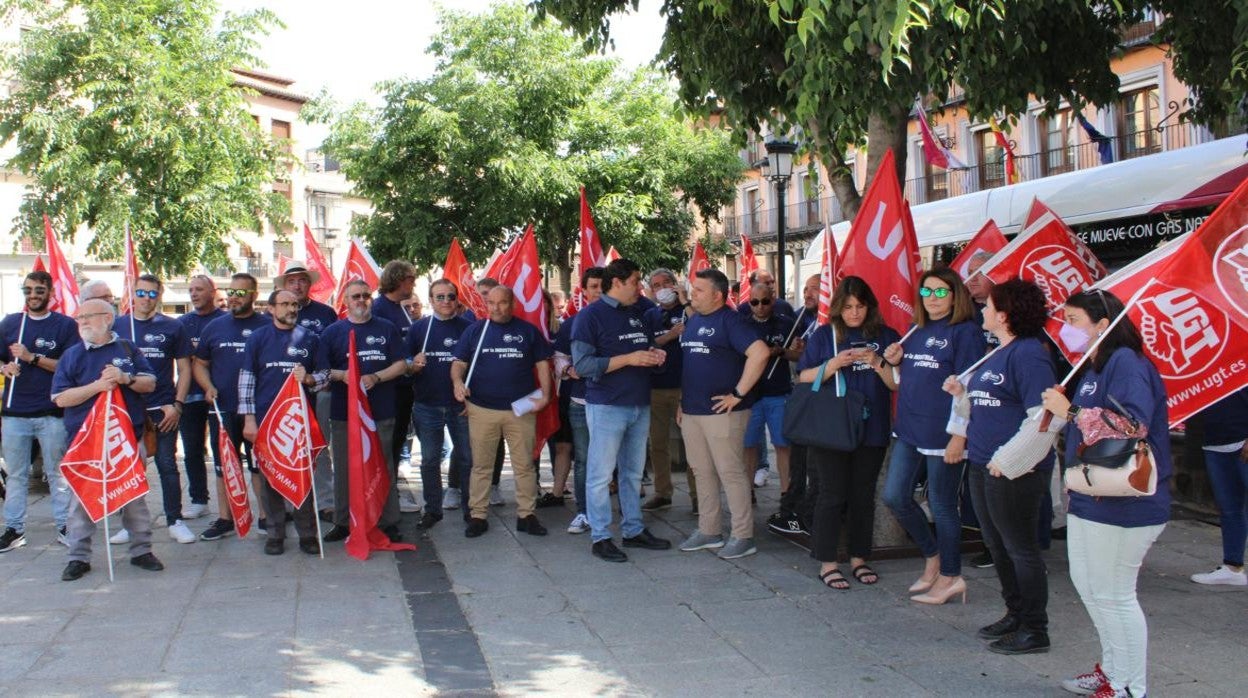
<point>646,354</point>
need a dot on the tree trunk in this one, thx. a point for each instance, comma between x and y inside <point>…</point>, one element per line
<point>886,129</point>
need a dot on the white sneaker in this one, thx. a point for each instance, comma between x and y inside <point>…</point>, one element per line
<point>407,503</point>
<point>580,524</point>
<point>760,477</point>
<point>450,498</point>
<point>194,511</point>
<point>496,496</point>
<point>1222,575</point>
<point>179,532</point>
<point>120,538</point>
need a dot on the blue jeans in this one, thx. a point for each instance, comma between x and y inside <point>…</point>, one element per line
<point>192,427</point>
<point>768,412</point>
<point>580,452</point>
<point>619,440</point>
<point>167,468</point>
<point>943,480</point>
<point>1229,477</point>
<point>18,433</point>
<point>432,423</point>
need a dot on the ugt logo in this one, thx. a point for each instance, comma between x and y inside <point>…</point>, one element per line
<point>1182,332</point>
<point>1230,269</point>
<point>1057,271</point>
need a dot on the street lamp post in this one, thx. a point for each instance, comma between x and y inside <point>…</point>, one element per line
<point>780,168</point>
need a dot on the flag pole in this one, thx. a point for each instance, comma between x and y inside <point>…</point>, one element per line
<point>428,329</point>
<point>134,337</point>
<point>776,361</point>
<point>108,543</point>
<point>316,502</point>
<point>21,330</point>
<point>477,352</point>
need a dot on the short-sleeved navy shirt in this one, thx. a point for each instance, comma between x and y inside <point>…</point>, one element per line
<point>614,330</point>
<point>773,331</point>
<point>271,354</point>
<point>316,316</point>
<point>437,338</point>
<point>661,321</point>
<point>194,324</point>
<point>163,340</point>
<point>930,355</point>
<point>713,348</point>
<point>1000,392</point>
<point>378,346</point>
<point>223,344</point>
<point>504,371</point>
<point>50,335</point>
<point>80,365</point>
<point>858,376</point>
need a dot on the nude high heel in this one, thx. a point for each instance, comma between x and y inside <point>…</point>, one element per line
<point>923,584</point>
<point>937,598</point>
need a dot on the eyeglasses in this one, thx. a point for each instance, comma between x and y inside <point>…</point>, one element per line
<point>760,301</point>
<point>34,291</point>
<point>144,293</point>
<point>926,292</point>
<point>238,292</point>
<point>445,297</point>
<point>87,316</point>
<point>360,296</point>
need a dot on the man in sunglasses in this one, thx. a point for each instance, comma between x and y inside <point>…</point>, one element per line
<point>382,357</point>
<point>431,344</point>
<point>165,344</point>
<point>33,341</point>
<point>774,387</point>
<point>219,356</point>
<point>195,413</point>
<point>762,277</point>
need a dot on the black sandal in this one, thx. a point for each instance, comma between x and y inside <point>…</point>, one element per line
<point>862,572</point>
<point>833,579</point>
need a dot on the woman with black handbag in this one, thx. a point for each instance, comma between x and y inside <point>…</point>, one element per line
<point>1108,537</point>
<point>1008,488</point>
<point>847,349</point>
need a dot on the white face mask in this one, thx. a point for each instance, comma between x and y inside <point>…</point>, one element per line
<point>1075,339</point>
<point>665,296</point>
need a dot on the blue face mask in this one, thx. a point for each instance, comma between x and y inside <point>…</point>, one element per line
<point>1075,339</point>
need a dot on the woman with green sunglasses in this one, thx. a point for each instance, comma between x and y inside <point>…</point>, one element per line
<point>945,341</point>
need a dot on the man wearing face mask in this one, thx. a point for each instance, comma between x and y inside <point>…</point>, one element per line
<point>667,323</point>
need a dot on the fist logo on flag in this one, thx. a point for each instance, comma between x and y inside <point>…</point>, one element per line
<point>1183,334</point>
<point>1057,271</point>
<point>1230,269</point>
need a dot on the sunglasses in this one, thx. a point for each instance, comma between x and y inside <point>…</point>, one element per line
<point>143,293</point>
<point>238,292</point>
<point>760,301</point>
<point>444,297</point>
<point>34,291</point>
<point>360,296</point>
<point>926,292</point>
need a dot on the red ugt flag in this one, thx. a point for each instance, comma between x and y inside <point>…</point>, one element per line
<point>287,443</point>
<point>102,465</point>
<point>323,289</point>
<point>39,266</point>
<point>882,248</point>
<point>457,271</point>
<point>1046,254</point>
<point>360,265</point>
<point>591,256</point>
<point>749,265</point>
<point>367,478</point>
<point>827,277</point>
<point>64,285</point>
<point>697,262</point>
<point>989,239</point>
<point>235,483</point>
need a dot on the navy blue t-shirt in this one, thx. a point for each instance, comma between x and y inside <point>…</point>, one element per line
<point>433,383</point>
<point>1134,383</point>
<point>271,354</point>
<point>930,355</point>
<point>806,322</point>
<point>713,348</point>
<point>194,324</point>
<point>1000,392</point>
<point>773,331</point>
<point>504,371</point>
<point>222,343</point>
<point>572,387</point>
<point>378,345</point>
<point>79,366</point>
<point>1226,421</point>
<point>857,376</point>
<point>163,340</point>
<point>661,321</point>
<point>990,340</point>
<point>645,304</point>
<point>614,330</point>
<point>49,335</point>
<point>316,316</point>
<point>387,309</point>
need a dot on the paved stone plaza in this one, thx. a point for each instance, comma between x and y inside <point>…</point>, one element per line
<point>512,614</point>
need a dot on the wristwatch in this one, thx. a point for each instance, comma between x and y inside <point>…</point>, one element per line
<point>1072,413</point>
<point>737,394</point>
<point>35,361</point>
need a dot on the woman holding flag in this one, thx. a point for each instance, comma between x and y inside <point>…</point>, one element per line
<point>1108,537</point>
<point>850,343</point>
<point>942,342</point>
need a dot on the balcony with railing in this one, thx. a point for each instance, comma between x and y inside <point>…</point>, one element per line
<point>1030,167</point>
<point>800,218</point>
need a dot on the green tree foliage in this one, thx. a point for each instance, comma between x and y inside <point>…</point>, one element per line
<point>845,71</point>
<point>518,117</point>
<point>127,112</point>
